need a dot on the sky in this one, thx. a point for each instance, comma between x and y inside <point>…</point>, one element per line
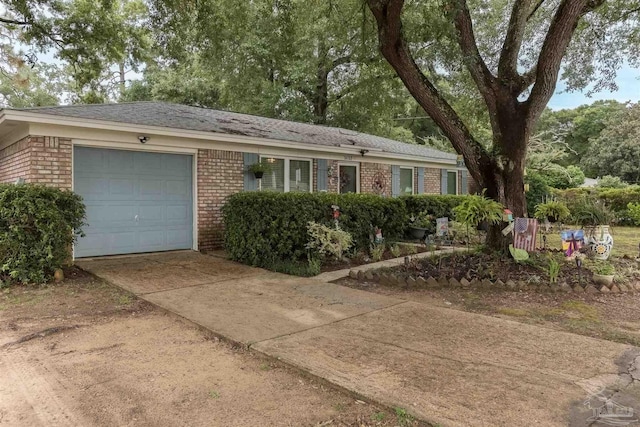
<point>628,80</point>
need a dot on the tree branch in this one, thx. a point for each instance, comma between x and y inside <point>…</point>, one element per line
<point>472,58</point>
<point>508,62</point>
<point>553,50</point>
<point>13,21</point>
<point>394,48</point>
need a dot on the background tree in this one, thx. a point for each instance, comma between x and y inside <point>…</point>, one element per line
<point>512,52</point>
<point>616,151</point>
<point>98,42</point>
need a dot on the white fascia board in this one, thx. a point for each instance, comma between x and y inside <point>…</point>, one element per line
<point>238,142</point>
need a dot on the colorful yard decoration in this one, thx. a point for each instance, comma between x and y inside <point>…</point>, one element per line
<point>571,241</point>
<point>442,226</point>
<point>525,231</point>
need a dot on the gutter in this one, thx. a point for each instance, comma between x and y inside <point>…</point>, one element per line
<point>27,116</point>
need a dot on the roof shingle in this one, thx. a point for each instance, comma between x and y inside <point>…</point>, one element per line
<point>152,113</point>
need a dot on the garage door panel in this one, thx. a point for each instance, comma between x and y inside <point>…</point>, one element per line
<point>150,187</point>
<point>148,163</point>
<point>91,187</point>
<point>142,204</point>
<point>120,161</point>
<point>120,188</point>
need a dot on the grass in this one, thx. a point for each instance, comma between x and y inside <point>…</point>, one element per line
<point>574,316</point>
<point>403,417</point>
<point>625,240</point>
<point>18,296</point>
<point>214,394</point>
<point>379,416</point>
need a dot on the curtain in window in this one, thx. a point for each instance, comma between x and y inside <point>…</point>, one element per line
<point>274,179</point>
<point>406,181</point>
<point>300,176</point>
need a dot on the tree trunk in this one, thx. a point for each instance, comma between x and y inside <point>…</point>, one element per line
<point>504,182</point>
<point>321,96</point>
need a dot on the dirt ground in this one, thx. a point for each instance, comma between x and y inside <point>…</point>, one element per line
<point>614,317</point>
<point>86,353</point>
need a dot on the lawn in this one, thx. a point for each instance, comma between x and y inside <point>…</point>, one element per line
<point>625,240</point>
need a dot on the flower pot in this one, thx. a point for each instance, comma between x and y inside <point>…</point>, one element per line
<point>483,226</point>
<point>259,175</point>
<point>417,232</point>
<point>603,279</point>
<point>599,240</point>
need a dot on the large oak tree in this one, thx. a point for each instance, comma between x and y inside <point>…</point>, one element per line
<point>511,52</point>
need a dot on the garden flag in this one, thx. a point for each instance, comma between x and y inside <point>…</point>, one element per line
<point>571,241</point>
<point>442,226</point>
<point>524,234</point>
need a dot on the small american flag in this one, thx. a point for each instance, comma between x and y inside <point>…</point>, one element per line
<point>524,234</point>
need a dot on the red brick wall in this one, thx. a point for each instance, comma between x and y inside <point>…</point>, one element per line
<point>38,159</point>
<point>432,181</point>
<point>373,175</point>
<point>15,161</point>
<point>220,174</point>
<point>51,161</point>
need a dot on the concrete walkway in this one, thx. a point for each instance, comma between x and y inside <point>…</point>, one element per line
<point>442,365</point>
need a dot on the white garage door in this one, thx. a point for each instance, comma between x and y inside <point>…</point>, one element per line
<point>136,201</point>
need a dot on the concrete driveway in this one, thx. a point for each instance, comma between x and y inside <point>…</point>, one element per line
<point>442,365</point>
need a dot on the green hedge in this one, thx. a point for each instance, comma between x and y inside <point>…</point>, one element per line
<point>37,228</point>
<point>615,198</point>
<point>438,206</point>
<point>263,228</point>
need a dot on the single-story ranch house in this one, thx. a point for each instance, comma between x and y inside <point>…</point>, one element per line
<point>154,175</point>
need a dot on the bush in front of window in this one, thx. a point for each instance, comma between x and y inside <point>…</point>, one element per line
<point>437,205</point>
<point>38,225</point>
<point>265,228</point>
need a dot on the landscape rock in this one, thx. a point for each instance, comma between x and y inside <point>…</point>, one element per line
<point>443,282</point>
<point>412,283</point>
<point>590,289</point>
<point>421,282</point>
<point>432,283</point>
<point>604,289</point>
<point>464,282</point>
<point>453,282</point>
<point>615,289</point>
<point>353,274</point>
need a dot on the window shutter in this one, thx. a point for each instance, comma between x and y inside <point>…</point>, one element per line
<point>323,170</point>
<point>443,181</point>
<point>420,185</point>
<point>463,182</point>
<point>250,181</point>
<point>395,181</point>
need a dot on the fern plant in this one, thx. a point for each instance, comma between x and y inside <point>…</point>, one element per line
<point>553,211</point>
<point>476,209</point>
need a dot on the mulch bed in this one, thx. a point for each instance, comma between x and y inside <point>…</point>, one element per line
<point>482,266</point>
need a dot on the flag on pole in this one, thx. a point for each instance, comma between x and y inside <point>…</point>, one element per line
<point>524,234</point>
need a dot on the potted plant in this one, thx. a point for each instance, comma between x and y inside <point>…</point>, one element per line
<point>258,169</point>
<point>421,225</point>
<point>478,211</point>
<point>552,211</point>
<point>595,218</point>
<point>603,273</point>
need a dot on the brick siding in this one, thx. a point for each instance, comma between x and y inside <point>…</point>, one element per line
<point>38,159</point>
<point>220,174</point>
<point>15,161</point>
<point>432,179</point>
<point>375,178</point>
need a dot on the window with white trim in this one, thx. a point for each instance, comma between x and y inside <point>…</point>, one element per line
<point>406,180</point>
<point>287,174</point>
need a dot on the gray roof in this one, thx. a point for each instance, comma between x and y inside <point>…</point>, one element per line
<point>203,119</point>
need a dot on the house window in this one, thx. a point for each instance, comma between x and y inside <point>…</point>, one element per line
<point>349,178</point>
<point>452,182</point>
<point>287,175</point>
<point>406,181</point>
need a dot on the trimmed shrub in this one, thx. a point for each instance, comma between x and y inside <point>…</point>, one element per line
<point>264,228</point>
<point>38,226</point>
<point>436,205</point>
